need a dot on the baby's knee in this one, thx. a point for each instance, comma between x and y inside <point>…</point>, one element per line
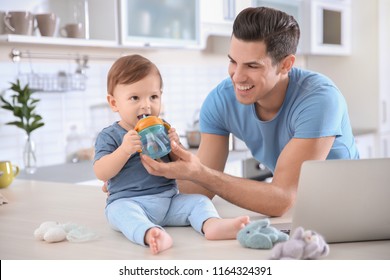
<point>202,199</point>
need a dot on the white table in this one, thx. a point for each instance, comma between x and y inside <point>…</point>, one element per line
<point>32,202</point>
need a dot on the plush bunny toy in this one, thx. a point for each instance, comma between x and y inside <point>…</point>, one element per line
<point>55,232</point>
<point>302,245</point>
<point>260,235</point>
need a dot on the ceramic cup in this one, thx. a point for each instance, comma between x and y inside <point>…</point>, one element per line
<point>8,173</point>
<point>47,24</point>
<point>2,24</point>
<point>73,30</point>
<point>21,23</point>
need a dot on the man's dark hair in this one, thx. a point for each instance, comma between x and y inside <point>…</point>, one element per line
<point>278,30</point>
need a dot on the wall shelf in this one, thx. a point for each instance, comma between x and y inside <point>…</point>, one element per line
<point>56,41</point>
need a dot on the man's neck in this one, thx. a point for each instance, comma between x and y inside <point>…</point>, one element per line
<point>267,109</point>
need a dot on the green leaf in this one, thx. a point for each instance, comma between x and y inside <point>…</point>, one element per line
<point>33,127</point>
<point>8,107</point>
<point>33,101</point>
<point>37,118</point>
<point>18,124</point>
<point>23,107</point>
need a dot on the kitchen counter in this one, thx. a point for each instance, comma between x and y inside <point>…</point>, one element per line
<point>32,202</point>
<point>66,173</point>
<point>82,171</point>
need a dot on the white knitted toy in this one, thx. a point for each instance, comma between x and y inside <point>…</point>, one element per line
<point>302,245</point>
<point>55,232</point>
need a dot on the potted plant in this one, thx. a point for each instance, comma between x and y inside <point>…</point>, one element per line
<point>23,106</point>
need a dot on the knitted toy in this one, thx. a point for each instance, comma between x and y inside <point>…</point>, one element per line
<point>302,245</point>
<point>260,235</point>
<point>55,232</point>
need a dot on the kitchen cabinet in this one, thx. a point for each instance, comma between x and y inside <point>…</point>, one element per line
<point>119,23</point>
<point>325,24</point>
<point>365,143</point>
<point>328,25</point>
<point>384,66</point>
<point>217,17</point>
<point>296,8</point>
<point>99,18</point>
<point>384,100</point>
<point>384,82</point>
<point>154,23</point>
<point>384,144</point>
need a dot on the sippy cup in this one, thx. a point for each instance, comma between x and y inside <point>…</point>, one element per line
<point>154,136</point>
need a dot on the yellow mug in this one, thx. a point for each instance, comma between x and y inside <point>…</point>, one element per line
<point>7,173</point>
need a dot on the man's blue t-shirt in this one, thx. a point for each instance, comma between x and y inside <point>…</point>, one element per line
<point>313,108</point>
<point>133,179</point>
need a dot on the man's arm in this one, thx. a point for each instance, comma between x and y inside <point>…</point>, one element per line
<point>272,199</point>
<point>275,198</point>
<point>213,152</point>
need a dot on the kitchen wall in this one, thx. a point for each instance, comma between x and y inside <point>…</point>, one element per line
<point>357,75</point>
<point>186,83</point>
<point>188,77</point>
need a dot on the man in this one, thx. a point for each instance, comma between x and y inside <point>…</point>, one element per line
<point>285,116</point>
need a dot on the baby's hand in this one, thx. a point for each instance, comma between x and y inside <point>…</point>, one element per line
<point>173,136</point>
<point>131,142</point>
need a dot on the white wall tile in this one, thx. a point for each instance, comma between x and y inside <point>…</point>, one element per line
<point>185,88</point>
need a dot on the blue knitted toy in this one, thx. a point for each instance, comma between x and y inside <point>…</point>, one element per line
<point>260,235</point>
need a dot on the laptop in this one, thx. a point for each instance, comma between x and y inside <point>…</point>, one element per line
<point>344,200</point>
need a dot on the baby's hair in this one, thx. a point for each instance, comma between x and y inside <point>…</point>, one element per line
<point>130,69</point>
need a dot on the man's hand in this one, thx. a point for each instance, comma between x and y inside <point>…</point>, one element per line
<point>184,167</point>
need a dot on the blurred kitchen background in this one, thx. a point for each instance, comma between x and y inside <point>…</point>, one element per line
<point>348,40</point>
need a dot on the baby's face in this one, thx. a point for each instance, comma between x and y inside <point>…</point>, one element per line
<point>137,99</point>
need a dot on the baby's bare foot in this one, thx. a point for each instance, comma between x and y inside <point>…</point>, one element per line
<point>220,229</point>
<point>158,240</point>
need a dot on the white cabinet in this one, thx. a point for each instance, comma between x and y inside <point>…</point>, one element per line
<point>117,23</point>
<point>325,24</point>
<point>384,103</point>
<point>384,66</point>
<point>160,23</point>
<point>296,8</point>
<point>384,81</point>
<point>366,144</point>
<point>222,11</point>
<point>217,16</point>
<point>384,144</point>
<point>328,25</point>
<point>99,18</point>
<point>184,23</point>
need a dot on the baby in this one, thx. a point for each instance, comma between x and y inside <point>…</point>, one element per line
<point>139,204</point>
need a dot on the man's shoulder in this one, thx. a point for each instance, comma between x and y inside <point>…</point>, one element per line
<point>223,90</point>
<point>309,79</point>
<point>308,88</point>
<point>224,85</point>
